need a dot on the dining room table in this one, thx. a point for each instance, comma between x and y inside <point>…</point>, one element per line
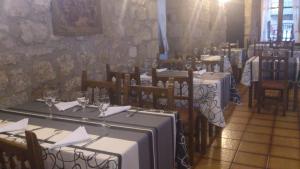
<point>211,92</point>
<point>237,57</point>
<point>132,139</point>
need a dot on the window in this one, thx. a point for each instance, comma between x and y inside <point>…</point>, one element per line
<point>280,20</point>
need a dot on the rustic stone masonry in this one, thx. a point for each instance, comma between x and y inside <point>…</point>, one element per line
<point>195,23</point>
<point>31,57</point>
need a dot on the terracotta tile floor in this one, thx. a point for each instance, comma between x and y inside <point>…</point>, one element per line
<point>255,141</point>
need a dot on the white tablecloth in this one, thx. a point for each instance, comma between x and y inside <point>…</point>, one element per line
<point>207,98</point>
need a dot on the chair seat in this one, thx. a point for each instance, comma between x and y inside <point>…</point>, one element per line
<point>274,84</point>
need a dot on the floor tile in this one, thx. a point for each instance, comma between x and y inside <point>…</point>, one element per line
<point>254,147</point>
<point>250,159</point>
<point>287,125</point>
<point>258,138</point>
<point>287,118</point>
<point>221,154</point>
<point>264,116</point>
<point>286,152</point>
<point>213,164</point>
<point>239,166</point>
<point>259,129</point>
<point>226,143</point>
<point>286,141</point>
<point>260,122</point>
<point>235,126</point>
<point>239,120</point>
<point>232,134</point>
<point>286,133</point>
<point>241,114</point>
<point>281,163</point>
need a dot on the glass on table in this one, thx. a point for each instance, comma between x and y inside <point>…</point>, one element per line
<point>102,101</point>
<point>49,98</point>
<point>83,101</point>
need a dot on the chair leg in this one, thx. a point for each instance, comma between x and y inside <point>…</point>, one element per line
<point>285,95</point>
<point>203,134</point>
<point>250,96</point>
<point>295,97</point>
<point>197,135</point>
<point>259,102</point>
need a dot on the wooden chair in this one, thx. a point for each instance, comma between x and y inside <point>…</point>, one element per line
<point>187,114</point>
<point>210,64</point>
<point>149,96</point>
<point>110,87</point>
<point>296,87</point>
<point>273,76</point>
<point>120,76</point>
<point>13,154</point>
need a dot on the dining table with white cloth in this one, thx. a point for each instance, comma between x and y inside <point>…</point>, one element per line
<point>211,91</point>
<point>147,139</point>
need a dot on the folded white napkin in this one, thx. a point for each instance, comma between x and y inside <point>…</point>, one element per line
<point>17,126</point>
<point>77,136</point>
<point>200,72</point>
<point>114,110</point>
<point>161,70</point>
<point>62,106</point>
<point>145,76</point>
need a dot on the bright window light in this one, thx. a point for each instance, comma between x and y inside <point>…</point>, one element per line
<point>222,2</point>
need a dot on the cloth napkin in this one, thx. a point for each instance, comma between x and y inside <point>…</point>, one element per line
<point>200,72</point>
<point>17,126</point>
<point>161,70</point>
<point>145,76</point>
<point>62,106</point>
<point>115,110</point>
<point>77,136</point>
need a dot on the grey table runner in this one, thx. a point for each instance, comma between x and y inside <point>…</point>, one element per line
<point>158,151</point>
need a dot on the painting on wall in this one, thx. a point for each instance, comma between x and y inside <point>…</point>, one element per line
<point>76,17</point>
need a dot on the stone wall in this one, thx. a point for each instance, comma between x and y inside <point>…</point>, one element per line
<point>195,23</point>
<point>31,57</point>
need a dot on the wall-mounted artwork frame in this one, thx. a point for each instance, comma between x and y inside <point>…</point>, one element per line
<point>76,17</point>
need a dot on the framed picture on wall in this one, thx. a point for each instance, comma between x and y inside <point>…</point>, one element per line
<point>76,17</point>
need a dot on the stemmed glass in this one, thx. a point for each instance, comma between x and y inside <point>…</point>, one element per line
<point>198,66</point>
<point>188,64</point>
<point>83,102</point>
<point>50,97</point>
<point>103,102</point>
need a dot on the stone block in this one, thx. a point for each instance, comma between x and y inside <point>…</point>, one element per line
<point>43,71</point>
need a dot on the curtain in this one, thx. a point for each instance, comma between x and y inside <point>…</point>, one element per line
<point>296,18</point>
<point>265,19</point>
<point>162,23</point>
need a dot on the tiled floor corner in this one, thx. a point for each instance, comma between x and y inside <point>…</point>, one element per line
<point>256,141</point>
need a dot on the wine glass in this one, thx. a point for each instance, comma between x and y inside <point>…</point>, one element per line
<point>83,102</point>
<point>196,51</point>
<point>49,98</point>
<point>198,66</point>
<point>102,102</point>
<point>188,64</point>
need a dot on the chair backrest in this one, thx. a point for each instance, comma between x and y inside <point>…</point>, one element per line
<point>14,154</point>
<point>273,68</point>
<point>288,45</point>
<point>34,150</point>
<point>210,64</point>
<point>184,90</point>
<point>110,87</point>
<point>120,76</point>
<point>149,96</point>
<point>259,47</point>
